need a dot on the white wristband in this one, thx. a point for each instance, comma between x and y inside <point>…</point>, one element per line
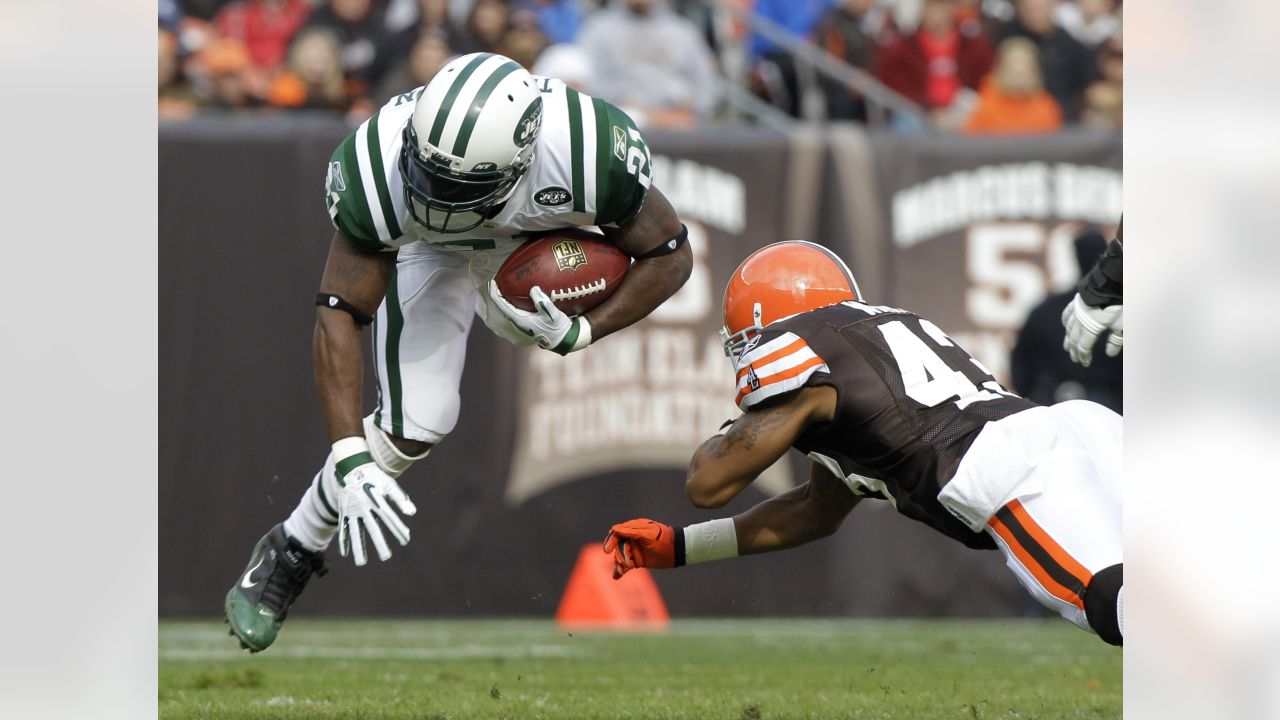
<point>349,453</point>
<point>349,446</point>
<point>711,540</point>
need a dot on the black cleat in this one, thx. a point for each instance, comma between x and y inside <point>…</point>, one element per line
<point>259,602</point>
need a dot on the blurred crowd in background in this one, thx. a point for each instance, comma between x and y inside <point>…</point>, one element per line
<point>971,66</point>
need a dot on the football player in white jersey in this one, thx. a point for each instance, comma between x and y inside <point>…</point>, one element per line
<point>428,197</point>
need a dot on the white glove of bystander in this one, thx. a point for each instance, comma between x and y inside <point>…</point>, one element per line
<point>1084,323</point>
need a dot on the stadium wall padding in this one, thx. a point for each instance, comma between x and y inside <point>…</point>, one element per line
<point>243,235</point>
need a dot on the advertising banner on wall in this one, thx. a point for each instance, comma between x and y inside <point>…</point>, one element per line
<point>980,230</point>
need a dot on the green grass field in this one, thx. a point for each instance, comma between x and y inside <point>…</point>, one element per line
<point>730,669</point>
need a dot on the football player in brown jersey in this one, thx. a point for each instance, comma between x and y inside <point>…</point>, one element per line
<point>888,407</point>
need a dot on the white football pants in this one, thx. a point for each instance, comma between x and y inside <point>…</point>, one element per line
<point>1046,485</point>
<point>420,336</point>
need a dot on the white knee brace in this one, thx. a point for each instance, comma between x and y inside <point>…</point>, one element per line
<point>389,457</point>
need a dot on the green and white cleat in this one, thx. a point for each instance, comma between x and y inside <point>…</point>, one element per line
<point>259,602</point>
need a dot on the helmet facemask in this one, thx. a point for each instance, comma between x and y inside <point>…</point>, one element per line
<point>442,196</point>
<point>736,343</point>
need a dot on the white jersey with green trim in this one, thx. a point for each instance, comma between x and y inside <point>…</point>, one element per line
<point>590,167</point>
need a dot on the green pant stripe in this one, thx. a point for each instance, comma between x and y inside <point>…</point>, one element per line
<point>575,148</point>
<point>473,112</point>
<point>442,115</point>
<point>380,179</point>
<point>605,213</point>
<point>377,377</point>
<point>395,325</point>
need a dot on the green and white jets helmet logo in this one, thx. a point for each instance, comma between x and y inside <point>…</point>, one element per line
<point>552,196</point>
<point>530,122</point>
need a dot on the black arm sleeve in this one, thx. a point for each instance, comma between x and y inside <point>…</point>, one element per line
<point>1104,285</point>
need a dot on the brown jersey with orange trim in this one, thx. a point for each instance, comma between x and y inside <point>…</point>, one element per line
<point>910,402</point>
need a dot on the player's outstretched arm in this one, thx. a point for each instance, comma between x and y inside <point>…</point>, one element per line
<point>360,279</point>
<point>807,513</point>
<point>804,514</point>
<point>727,463</point>
<point>651,280</point>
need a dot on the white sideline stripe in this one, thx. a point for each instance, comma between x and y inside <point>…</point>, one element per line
<point>456,652</point>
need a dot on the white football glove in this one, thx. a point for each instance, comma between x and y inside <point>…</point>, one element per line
<point>1084,323</point>
<point>362,502</point>
<point>548,325</point>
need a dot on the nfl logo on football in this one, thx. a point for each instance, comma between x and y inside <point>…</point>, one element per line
<point>569,254</point>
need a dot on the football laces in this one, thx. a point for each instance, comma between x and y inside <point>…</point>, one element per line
<point>578,291</point>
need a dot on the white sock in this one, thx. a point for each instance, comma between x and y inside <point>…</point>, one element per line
<point>315,521</point>
<point>1120,610</point>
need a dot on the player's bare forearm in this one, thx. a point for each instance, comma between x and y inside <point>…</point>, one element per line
<point>361,279</point>
<point>725,465</point>
<point>804,514</point>
<point>647,285</point>
<point>651,281</point>
<point>339,371</point>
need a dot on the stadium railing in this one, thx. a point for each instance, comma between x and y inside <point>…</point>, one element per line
<point>811,61</point>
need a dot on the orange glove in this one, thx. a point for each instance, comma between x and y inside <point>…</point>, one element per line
<point>644,543</point>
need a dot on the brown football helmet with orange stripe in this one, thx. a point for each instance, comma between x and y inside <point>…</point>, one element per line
<point>778,281</point>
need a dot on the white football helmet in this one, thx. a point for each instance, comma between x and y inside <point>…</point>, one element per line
<point>469,141</point>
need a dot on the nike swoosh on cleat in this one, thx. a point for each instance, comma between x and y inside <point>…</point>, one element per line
<point>245,582</point>
<point>267,613</point>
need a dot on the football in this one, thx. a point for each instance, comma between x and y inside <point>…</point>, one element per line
<point>576,268</point>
